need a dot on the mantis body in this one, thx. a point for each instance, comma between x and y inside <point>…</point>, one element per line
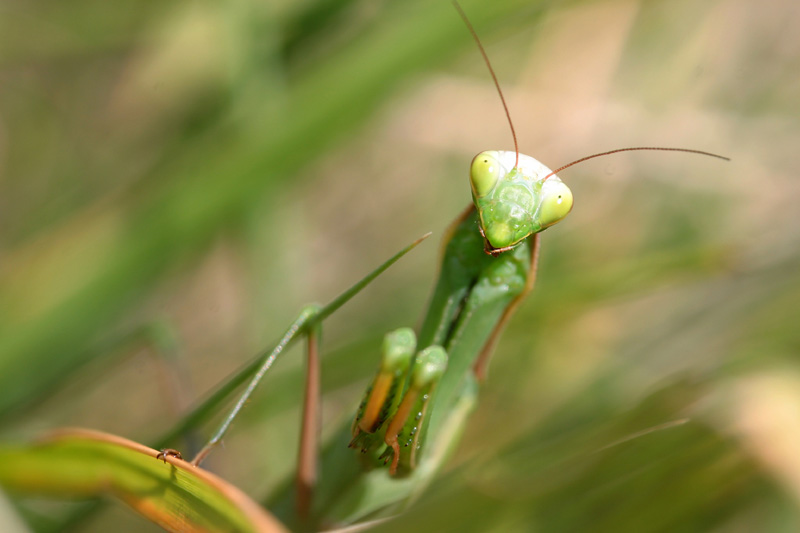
<point>415,407</point>
<point>476,293</point>
<point>426,385</point>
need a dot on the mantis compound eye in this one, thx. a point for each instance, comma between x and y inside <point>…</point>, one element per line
<point>484,173</point>
<point>556,202</point>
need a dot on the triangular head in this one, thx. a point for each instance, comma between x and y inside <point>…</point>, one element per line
<point>514,202</point>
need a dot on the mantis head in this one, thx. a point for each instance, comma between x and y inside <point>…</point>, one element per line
<point>515,201</point>
<point>514,194</point>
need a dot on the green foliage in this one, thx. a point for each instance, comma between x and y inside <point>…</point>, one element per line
<point>173,494</point>
<point>216,166</point>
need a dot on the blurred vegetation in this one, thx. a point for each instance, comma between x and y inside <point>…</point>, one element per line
<point>177,179</point>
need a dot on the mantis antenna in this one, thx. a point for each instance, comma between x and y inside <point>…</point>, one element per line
<point>511,123</point>
<point>659,148</point>
<point>494,76</point>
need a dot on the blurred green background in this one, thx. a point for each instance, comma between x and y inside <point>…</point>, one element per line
<point>178,178</point>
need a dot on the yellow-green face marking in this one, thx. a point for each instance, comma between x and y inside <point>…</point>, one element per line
<point>514,203</point>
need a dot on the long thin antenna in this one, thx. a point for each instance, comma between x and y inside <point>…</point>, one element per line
<point>491,71</point>
<point>687,150</point>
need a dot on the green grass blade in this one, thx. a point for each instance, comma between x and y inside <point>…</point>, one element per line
<point>81,463</point>
<point>343,298</point>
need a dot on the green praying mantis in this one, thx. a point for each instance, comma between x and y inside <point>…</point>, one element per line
<point>415,407</point>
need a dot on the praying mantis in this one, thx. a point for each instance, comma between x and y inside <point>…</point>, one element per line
<point>414,409</point>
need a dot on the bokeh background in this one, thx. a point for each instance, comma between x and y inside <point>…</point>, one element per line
<point>178,178</point>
